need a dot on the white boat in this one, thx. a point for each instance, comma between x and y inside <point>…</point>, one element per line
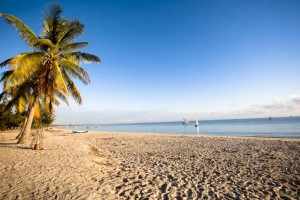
<point>185,122</point>
<point>79,131</point>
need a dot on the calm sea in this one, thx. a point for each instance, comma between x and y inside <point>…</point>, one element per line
<point>288,127</point>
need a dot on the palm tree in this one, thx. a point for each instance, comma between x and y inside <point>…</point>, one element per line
<point>52,64</point>
<point>21,97</point>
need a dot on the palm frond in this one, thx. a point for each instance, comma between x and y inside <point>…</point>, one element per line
<point>61,96</point>
<point>48,106</point>
<point>56,75</point>
<point>21,104</point>
<point>53,12</point>
<point>29,60</point>
<point>74,46</point>
<point>82,57</point>
<point>90,58</point>
<point>75,70</point>
<point>37,111</point>
<point>72,29</point>
<point>52,20</point>
<point>24,31</point>
<point>13,62</point>
<point>5,75</point>
<point>44,43</point>
<point>72,88</point>
<point>6,62</point>
<point>14,100</point>
<point>24,66</point>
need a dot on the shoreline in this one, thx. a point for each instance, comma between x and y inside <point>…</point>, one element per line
<point>106,165</point>
<point>167,134</point>
<point>190,135</point>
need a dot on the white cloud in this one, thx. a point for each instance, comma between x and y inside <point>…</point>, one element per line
<point>296,99</point>
<point>278,106</point>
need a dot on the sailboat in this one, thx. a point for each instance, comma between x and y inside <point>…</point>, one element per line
<point>269,118</point>
<point>185,122</point>
<point>196,124</point>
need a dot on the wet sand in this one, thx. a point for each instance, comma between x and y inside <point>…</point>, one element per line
<point>142,166</point>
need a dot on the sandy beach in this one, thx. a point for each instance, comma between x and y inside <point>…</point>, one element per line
<point>142,166</point>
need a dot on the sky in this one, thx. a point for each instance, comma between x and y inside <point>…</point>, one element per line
<point>165,60</point>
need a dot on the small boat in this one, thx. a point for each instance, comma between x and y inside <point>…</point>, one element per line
<point>269,118</point>
<point>79,131</point>
<point>196,124</point>
<point>185,122</point>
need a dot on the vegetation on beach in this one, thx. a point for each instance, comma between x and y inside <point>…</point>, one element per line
<point>40,79</point>
<point>8,118</point>
<point>11,118</point>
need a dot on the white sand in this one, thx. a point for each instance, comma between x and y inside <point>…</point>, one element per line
<point>125,166</point>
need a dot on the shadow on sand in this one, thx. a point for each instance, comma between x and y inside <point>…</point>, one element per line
<point>7,143</point>
<point>12,145</point>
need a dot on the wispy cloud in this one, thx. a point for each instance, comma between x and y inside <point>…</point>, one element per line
<point>277,106</point>
<point>296,99</point>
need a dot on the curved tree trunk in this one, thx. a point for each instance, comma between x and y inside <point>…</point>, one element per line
<point>28,123</point>
<point>23,128</point>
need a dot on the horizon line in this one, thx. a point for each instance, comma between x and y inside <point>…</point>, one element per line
<point>150,122</point>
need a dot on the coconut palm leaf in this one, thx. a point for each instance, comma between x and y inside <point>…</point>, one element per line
<point>18,95</point>
<point>72,29</point>
<point>72,88</point>
<point>52,22</point>
<point>37,111</point>
<point>5,75</point>
<point>24,31</point>
<point>82,57</point>
<point>21,104</point>
<point>24,66</point>
<point>58,78</point>
<point>44,44</point>
<point>75,70</point>
<point>73,46</point>
<point>5,63</point>
<point>61,96</point>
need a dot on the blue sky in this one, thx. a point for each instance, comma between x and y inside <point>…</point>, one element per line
<point>165,60</point>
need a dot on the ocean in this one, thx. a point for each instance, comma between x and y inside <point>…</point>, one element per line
<point>286,127</point>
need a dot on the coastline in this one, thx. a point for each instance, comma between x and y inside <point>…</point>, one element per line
<point>195,135</point>
<point>111,165</point>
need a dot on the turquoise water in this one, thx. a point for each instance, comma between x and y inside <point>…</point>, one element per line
<point>288,127</point>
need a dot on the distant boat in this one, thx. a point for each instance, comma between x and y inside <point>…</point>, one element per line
<point>79,131</point>
<point>196,124</point>
<point>185,122</point>
<point>269,118</point>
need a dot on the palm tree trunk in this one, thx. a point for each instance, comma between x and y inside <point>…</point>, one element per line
<point>28,123</point>
<point>23,128</point>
